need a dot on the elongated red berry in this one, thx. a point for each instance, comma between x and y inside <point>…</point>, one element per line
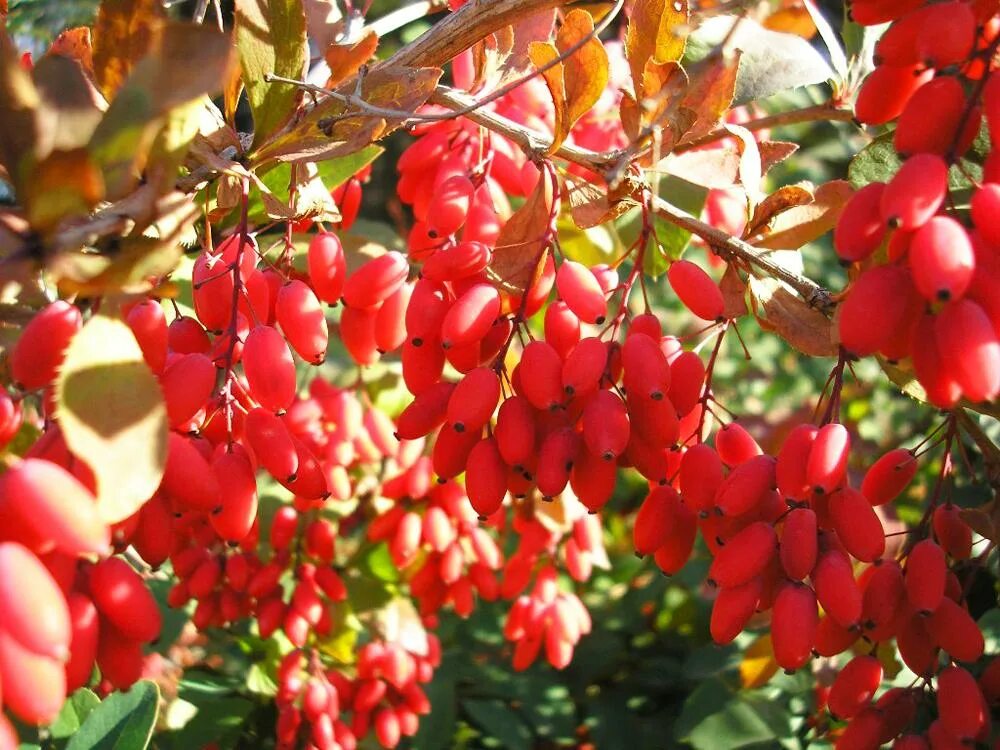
<point>269,368</point>
<point>584,367</point>
<point>474,399</point>
<point>926,572</point>
<point>955,631</point>
<point>376,280</point>
<point>486,477</point>
<point>952,532</point>
<point>960,703</point>
<point>606,425</point>
<point>34,686</point>
<point>581,291</point>
<point>238,496</point>
<point>45,498</point>
<point>122,597</point>
<point>941,259</point>
<point>542,385</point>
<point>861,228</point>
<point>885,92</point>
<point>425,413</point>
<point>460,262</point>
<point>39,351</point>
<point>799,549</point>
<point>735,445</point>
<point>970,349</point>
<point>745,487</point>
<point>302,320</point>
<point>827,463</point>
<point>33,610</point>
<point>701,473</point>
<point>515,431</point>
<point>889,476</point>
<point>877,309</point>
<point>271,443</point>
<point>469,319</point>
<point>915,193</point>
<point>327,267</point>
<point>855,686</point>
<point>858,525</point>
<point>793,625</point>
<point>744,555</point>
<point>645,368</point>
<point>733,608</point>
<point>696,290</point>
<point>836,588</point>
<point>930,121</point>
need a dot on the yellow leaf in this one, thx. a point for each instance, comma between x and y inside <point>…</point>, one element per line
<point>586,70</point>
<point>795,227</point>
<point>657,30</point>
<point>542,54</point>
<point>111,412</point>
<point>64,184</point>
<point>758,664</point>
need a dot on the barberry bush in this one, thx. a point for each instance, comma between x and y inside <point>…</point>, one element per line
<point>523,374</point>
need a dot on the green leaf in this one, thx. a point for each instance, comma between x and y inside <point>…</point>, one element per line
<point>499,722</point>
<point>219,720</point>
<point>123,721</point>
<point>271,38</point>
<point>333,172</point>
<point>377,562</point>
<point>672,239</point>
<point>112,414</point>
<point>74,712</point>
<point>438,728</point>
<point>878,162</point>
<point>715,717</point>
<point>772,61</point>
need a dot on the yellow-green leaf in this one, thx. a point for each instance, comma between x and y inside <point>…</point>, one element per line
<point>271,38</point>
<point>758,664</point>
<point>112,414</point>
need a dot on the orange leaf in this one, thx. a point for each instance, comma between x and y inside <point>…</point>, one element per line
<point>782,312</point>
<point>328,131</point>
<point>345,60</point>
<point>586,70</point>
<point>542,54</point>
<point>758,664</point>
<point>734,292</point>
<point>794,20</point>
<point>75,44</point>
<point>65,183</point>
<point>710,93</point>
<point>795,227</point>
<point>781,200</point>
<point>520,248</point>
<point>657,30</point>
<point>124,33</point>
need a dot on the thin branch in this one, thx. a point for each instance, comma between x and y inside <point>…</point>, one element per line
<point>729,246</point>
<point>819,112</point>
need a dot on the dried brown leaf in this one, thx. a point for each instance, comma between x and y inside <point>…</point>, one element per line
<point>520,248</point>
<point>779,310</point>
<point>983,520</point>
<point>332,128</point>
<point>125,32</point>
<point>734,293</point>
<point>344,60</point>
<point>781,200</point>
<point>801,224</point>
<point>590,205</point>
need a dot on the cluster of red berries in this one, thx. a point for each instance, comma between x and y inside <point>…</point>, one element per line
<point>385,695</point>
<point>929,284</point>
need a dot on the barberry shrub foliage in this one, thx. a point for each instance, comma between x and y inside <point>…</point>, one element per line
<point>507,387</point>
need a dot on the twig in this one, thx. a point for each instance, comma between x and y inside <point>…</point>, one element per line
<point>727,245</point>
<point>827,112</point>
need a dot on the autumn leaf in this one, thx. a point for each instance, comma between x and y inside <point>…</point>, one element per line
<point>270,36</point>
<point>520,247</point>
<point>734,291</point>
<point>657,30</point>
<point>590,205</point>
<point>710,92</point>
<point>750,169</point>
<point>189,62</point>
<point>344,60</point>
<point>125,32</point>
<point>577,81</point>
<point>795,227</point>
<point>333,128</point>
<point>65,183</point>
<point>782,312</point>
<point>783,199</point>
